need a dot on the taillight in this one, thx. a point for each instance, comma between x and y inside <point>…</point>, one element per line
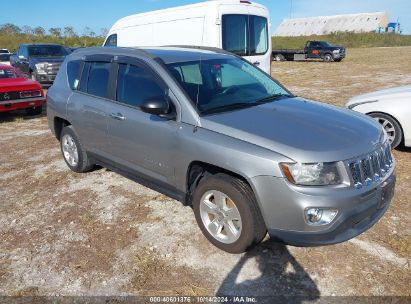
<point>29,94</point>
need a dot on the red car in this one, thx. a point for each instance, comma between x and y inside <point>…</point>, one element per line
<point>19,93</point>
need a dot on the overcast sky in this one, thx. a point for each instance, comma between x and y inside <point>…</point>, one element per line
<point>99,14</point>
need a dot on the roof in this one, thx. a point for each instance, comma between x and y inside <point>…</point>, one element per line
<point>168,54</point>
<point>211,3</point>
<point>40,44</point>
<point>364,22</point>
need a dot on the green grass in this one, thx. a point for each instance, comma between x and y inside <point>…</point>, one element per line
<point>11,42</point>
<point>349,40</point>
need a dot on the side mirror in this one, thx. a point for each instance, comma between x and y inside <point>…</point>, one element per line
<point>156,106</point>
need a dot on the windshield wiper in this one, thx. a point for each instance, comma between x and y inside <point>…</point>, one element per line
<point>231,106</point>
<point>271,97</point>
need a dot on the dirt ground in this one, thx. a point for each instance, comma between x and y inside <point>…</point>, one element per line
<point>98,233</point>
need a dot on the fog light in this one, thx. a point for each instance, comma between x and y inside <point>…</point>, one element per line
<point>319,216</point>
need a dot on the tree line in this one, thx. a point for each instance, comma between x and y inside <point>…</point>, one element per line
<point>12,35</point>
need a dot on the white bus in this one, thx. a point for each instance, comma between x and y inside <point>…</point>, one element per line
<point>238,26</point>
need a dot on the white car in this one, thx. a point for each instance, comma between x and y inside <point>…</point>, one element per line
<point>391,108</point>
<point>5,58</point>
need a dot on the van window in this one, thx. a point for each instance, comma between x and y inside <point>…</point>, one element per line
<point>73,73</point>
<point>111,41</point>
<point>94,79</point>
<point>259,35</point>
<point>136,85</point>
<point>245,35</point>
<point>235,37</point>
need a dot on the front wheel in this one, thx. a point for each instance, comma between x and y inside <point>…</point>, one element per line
<point>33,76</point>
<point>279,57</point>
<point>391,126</point>
<point>74,154</point>
<point>227,213</point>
<point>328,58</point>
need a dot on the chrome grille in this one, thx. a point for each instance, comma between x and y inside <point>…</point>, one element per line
<point>372,167</point>
<point>53,68</point>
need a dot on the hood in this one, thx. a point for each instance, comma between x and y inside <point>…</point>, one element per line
<point>35,60</point>
<point>15,84</point>
<point>305,131</point>
<point>396,93</point>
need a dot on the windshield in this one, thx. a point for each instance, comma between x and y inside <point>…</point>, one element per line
<point>5,57</point>
<point>218,85</point>
<point>245,35</point>
<point>6,73</point>
<point>47,51</point>
<point>4,51</point>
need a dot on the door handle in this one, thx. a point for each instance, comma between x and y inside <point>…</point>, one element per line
<point>117,116</point>
<point>257,63</point>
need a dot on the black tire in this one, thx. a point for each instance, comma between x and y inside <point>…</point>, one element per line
<point>35,111</point>
<point>33,76</point>
<point>392,127</point>
<point>83,163</point>
<point>328,58</point>
<point>279,57</point>
<point>253,226</point>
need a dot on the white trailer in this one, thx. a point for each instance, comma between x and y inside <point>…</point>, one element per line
<point>238,26</point>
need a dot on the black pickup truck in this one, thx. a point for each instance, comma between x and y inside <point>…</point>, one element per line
<point>40,62</point>
<point>313,50</point>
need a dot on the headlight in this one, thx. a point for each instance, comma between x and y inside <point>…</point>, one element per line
<point>336,51</point>
<point>40,66</point>
<point>316,174</point>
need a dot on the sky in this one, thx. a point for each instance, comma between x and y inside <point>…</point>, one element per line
<point>98,14</point>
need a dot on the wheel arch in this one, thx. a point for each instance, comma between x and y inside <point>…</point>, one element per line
<point>393,117</point>
<point>58,125</point>
<point>197,170</point>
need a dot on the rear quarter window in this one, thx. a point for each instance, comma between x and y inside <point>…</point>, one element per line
<point>73,73</point>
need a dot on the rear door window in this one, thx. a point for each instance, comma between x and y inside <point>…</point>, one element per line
<point>95,78</point>
<point>98,79</point>
<point>245,35</point>
<point>135,85</point>
<point>235,34</point>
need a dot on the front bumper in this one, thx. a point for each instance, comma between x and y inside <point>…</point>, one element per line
<point>8,106</point>
<point>283,207</point>
<point>338,55</point>
<point>45,79</point>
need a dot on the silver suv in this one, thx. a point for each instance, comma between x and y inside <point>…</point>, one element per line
<point>207,128</point>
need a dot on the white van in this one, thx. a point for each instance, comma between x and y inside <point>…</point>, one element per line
<point>238,26</point>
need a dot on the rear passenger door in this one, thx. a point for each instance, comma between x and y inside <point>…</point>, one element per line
<point>137,140</point>
<point>87,106</point>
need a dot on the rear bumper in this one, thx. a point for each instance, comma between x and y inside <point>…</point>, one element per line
<point>283,208</point>
<point>20,105</point>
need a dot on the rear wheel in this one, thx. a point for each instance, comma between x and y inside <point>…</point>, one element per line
<point>391,126</point>
<point>74,154</point>
<point>227,213</point>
